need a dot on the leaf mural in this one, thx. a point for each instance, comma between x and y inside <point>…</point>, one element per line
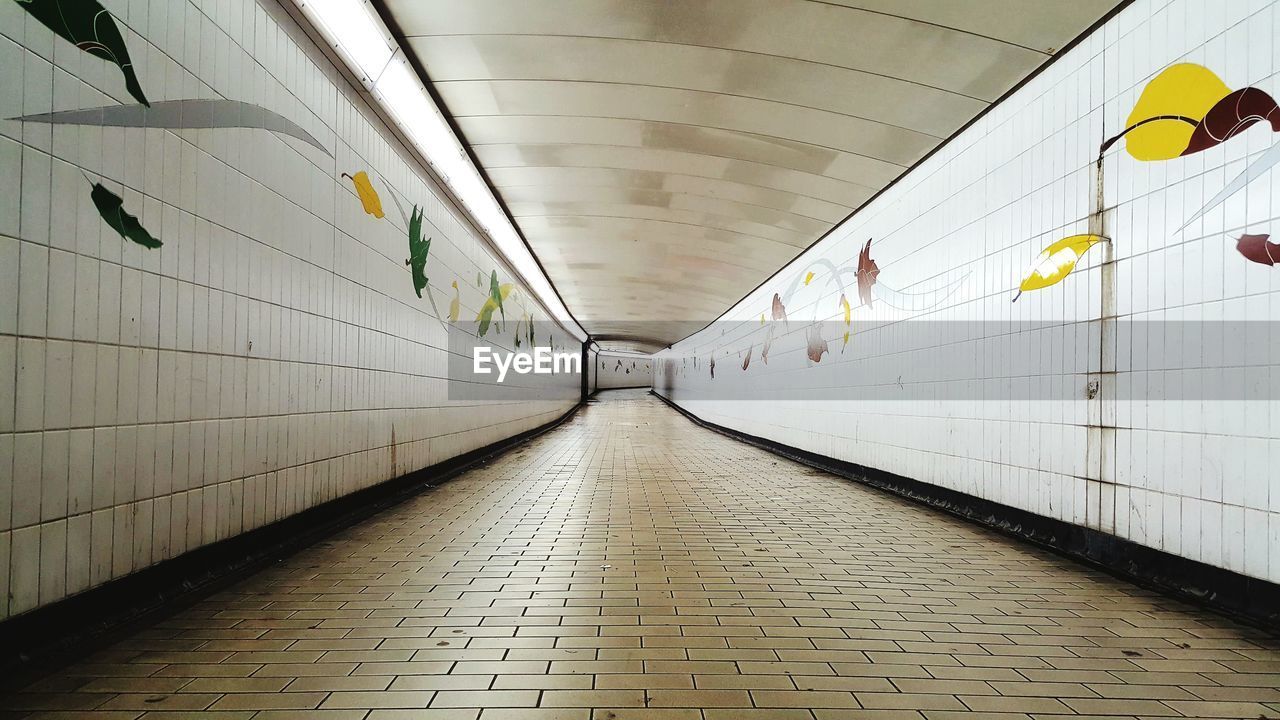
<point>713,367</point>
<point>479,280</point>
<point>868,271</point>
<point>418,249</point>
<point>88,26</point>
<point>1255,170</point>
<point>815,346</point>
<point>747,361</point>
<point>111,208</point>
<point>368,196</point>
<point>485,316</point>
<point>1231,116</point>
<point>1170,107</point>
<point>1056,262</point>
<point>1257,248</point>
<point>1187,109</point>
<point>779,312</point>
<point>764,349</point>
<point>496,294</point>
<point>848,319</point>
<point>188,114</point>
<point>808,277</point>
<point>455,305</point>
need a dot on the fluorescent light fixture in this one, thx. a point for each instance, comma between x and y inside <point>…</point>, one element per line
<point>354,28</point>
<point>356,31</point>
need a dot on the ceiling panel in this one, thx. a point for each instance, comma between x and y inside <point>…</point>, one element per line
<point>663,158</point>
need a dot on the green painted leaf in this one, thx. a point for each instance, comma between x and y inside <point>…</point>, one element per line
<point>111,208</point>
<point>90,27</point>
<point>495,293</point>
<point>485,318</point>
<point>418,249</point>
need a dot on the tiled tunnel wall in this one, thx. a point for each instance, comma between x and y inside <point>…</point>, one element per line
<point>623,371</point>
<point>593,370</point>
<point>271,354</point>
<point>1135,398</point>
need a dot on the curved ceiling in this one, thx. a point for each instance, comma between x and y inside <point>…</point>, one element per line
<point>664,157</point>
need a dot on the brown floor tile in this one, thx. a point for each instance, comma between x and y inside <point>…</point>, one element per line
<point>632,566</point>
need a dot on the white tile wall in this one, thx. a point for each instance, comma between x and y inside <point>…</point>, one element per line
<point>258,364</point>
<point>635,371</point>
<point>592,370</point>
<point>1189,473</point>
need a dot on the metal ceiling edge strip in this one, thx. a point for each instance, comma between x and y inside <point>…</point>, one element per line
<point>1120,6</point>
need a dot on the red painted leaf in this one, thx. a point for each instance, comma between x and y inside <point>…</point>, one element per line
<point>1231,116</point>
<point>1257,249</point>
<point>867,272</point>
<point>816,345</point>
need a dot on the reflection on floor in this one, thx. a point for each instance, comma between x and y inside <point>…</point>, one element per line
<point>633,565</point>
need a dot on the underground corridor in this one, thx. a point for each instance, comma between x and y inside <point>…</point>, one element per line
<point>639,359</point>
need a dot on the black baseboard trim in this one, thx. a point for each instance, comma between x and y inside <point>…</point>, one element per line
<point>1249,600</point>
<point>46,638</point>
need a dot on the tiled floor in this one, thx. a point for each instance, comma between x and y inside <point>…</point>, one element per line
<point>633,565</point>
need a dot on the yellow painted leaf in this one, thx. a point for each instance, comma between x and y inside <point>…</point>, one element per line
<point>808,277</point>
<point>455,305</point>
<point>368,196</point>
<point>848,311</point>
<point>1057,261</point>
<point>1185,90</point>
<point>485,316</point>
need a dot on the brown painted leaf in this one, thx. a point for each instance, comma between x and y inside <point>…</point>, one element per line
<point>816,345</point>
<point>1257,249</point>
<point>1231,116</point>
<point>867,273</point>
<point>779,312</point>
<point>747,361</point>
<point>713,367</point>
